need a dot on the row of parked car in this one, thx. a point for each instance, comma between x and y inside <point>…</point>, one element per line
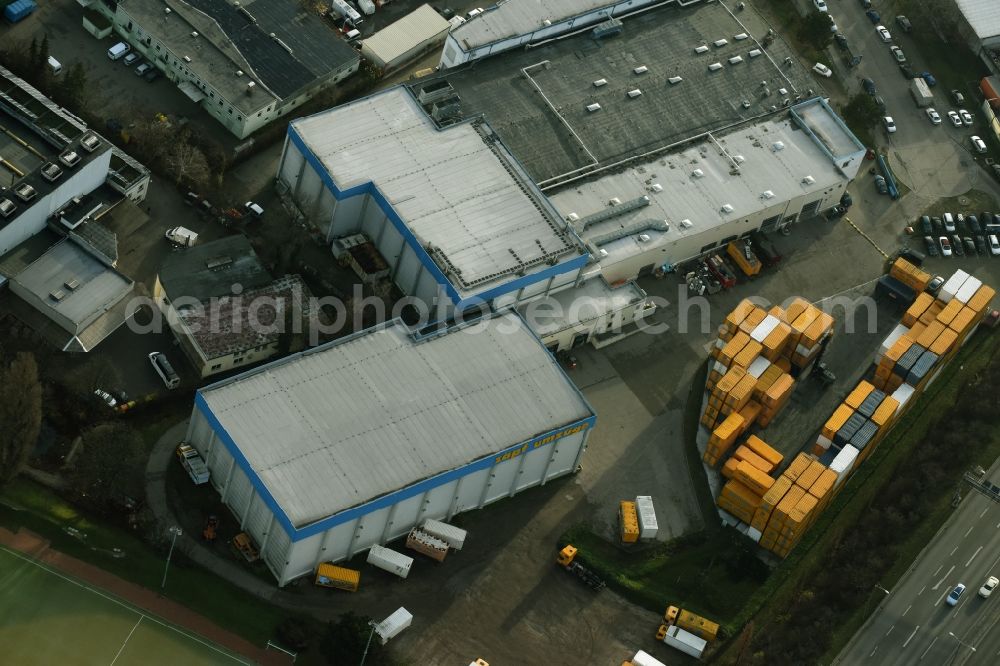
<point>960,234</point>
<point>123,51</point>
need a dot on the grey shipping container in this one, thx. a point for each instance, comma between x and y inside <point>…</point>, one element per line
<point>920,369</point>
<point>906,361</point>
<point>853,424</point>
<point>871,403</point>
<point>864,435</point>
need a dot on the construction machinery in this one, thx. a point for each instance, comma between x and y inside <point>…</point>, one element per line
<point>211,528</point>
<point>567,560</point>
<point>690,622</point>
<point>244,546</point>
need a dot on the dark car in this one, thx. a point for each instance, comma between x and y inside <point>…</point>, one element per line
<point>973,223</point>
<point>929,78</point>
<point>845,200</point>
<point>996,170</point>
<point>938,224</point>
<point>956,245</point>
<point>912,256</point>
<point>841,41</point>
<point>904,23</point>
<point>866,4</point>
<point>958,97</point>
<point>873,16</point>
<point>932,248</point>
<point>881,185</point>
<point>925,225</point>
<point>143,69</point>
<point>880,103</point>
<point>906,71</point>
<point>981,246</point>
<point>151,75</point>
<point>970,246</point>
<point>836,212</point>
<point>986,218</point>
<point>869,86</point>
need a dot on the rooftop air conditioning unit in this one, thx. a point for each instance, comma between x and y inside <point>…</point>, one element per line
<point>686,223</point>
<point>697,173</point>
<point>739,159</point>
<point>239,72</point>
<point>593,107</point>
<point>167,10</point>
<point>746,104</point>
<point>778,145</point>
<point>641,69</point>
<point>644,238</point>
<point>600,82</point>
<point>740,37</point>
<point>603,252</point>
<point>674,80</point>
<point>701,49</point>
<point>187,58</point>
<point>656,187</point>
<point>726,208</point>
<point>754,53</point>
<point>767,194</point>
<point>735,60</point>
<point>194,33</point>
<point>808,180</point>
<point>614,201</point>
<point>634,93</point>
<point>782,91</point>
<point>90,142</point>
<point>572,217</point>
<point>250,86</point>
<point>715,66</point>
<point>719,43</point>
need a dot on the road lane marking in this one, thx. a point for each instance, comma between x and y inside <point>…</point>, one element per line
<point>940,598</point>
<point>921,590</point>
<point>874,651</point>
<point>969,530</point>
<point>973,556</point>
<point>929,648</point>
<point>907,610</point>
<point>890,630</point>
<point>958,608</point>
<point>954,549</point>
<point>911,636</point>
<point>938,570</point>
<point>943,578</point>
<point>984,512</point>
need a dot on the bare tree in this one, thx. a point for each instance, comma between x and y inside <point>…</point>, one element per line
<point>187,164</point>
<point>20,414</point>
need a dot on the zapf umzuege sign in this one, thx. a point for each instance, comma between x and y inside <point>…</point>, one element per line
<point>541,441</point>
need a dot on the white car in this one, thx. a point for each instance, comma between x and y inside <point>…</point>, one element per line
<point>821,5</point>
<point>965,116</point>
<point>898,53</point>
<point>978,144</point>
<point>954,118</point>
<point>106,397</point>
<point>933,115</point>
<point>890,124</point>
<point>994,245</point>
<point>822,70</point>
<point>945,246</point>
<point>883,34</point>
<point>987,589</point>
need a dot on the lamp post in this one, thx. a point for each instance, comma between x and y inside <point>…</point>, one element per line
<point>176,532</point>
<point>879,587</point>
<point>961,642</point>
<point>371,623</point>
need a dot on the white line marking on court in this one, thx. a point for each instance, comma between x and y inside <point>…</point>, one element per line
<point>121,603</point>
<point>907,610</point>
<point>929,648</point>
<point>973,556</point>
<point>911,636</point>
<point>122,648</point>
<point>890,630</point>
<point>969,530</point>
<point>943,577</point>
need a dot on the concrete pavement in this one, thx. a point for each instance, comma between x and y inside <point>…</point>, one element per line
<point>914,624</point>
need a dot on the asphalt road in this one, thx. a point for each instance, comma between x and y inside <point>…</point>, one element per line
<point>914,624</point>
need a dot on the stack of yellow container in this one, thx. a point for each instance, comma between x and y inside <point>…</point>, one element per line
<point>810,327</point>
<point>792,504</point>
<point>910,275</point>
<point>723,437</point>
<point>748,472</point>
<point>628,518</point>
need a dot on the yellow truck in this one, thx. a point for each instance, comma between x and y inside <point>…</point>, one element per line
<point>629,519</point>
<point>691,623</point>
<point>330,575</point>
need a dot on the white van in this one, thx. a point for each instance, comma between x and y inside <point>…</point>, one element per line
<point>55,67</point>
<point>164,369</point>
<point>118,50</point>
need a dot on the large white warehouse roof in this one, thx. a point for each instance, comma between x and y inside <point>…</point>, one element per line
<point>394,40</point>
<point>458,190</point>
<point>982,15</point>
<point>337,426</point>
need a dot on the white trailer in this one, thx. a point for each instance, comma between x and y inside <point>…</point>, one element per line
<point>453,536</point>
<point>345,10</point>
<point>181,236</point>
<point>391,626</point>
<point>648,527</point>
<point>389,560</point>
<point>367,7</point>
<point>685,641</point>
<point>645,659</point>
<point>193,464</point>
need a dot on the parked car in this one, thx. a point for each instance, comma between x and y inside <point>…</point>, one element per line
<point>965,116</point>
<point>880,103</point>
<point>956,594</point>
<point>873,16</point>
<point>841,41</point>
<point>822,70</point>
<point>142,69</point>
<point>883,34</point>
<point>152,75</point>
<point>906,71</point>
<point>958,97</point>
<point>985,218</point>
<point>898,54</point>
<point>978,144</point>
<point>987,589</point>
<point>890,124</point>
<point>925,225</point>
<point>928,78</point>
<point>821,5</point>
<point>980,245</point>
<point>945,246</point>
<point>106,398</point>
<point>955,119</point>
<point>932,248</point>
<point>866,4</point>
<point>956,245</point>
<point>970,246</point>
<point>994,244</point>
<point>904,23</point>
<point>938,225</point>
<point>869,86</point>
<point>130,59</point>
<point>949,222</point>
<point>973,223</point>
<point>881,185</point>
<point>935,118</point>
<point>996,169</point>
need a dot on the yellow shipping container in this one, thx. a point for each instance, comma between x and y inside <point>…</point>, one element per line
<point>766,380</point>
<point>770,500</point>
<point>930,334</point>
<point>918,307</point>
<point>895,352</point>
<point>629,520</point>
<point>783,363</point>
<point>858,395</point>
<point>753,478</point>
<point>916,330</point>
<point>796,308</point>
<point>949,311</point>
<point>729,380</point>
<point>776,341</point>
<point>945,342</point>
<point>837,420</point>
<point>799,464</point>
<point>730,467</point>
<point>931,313</point>
<point>743,453</point>
<point>963,321</point>
<point>980,301</point>
<point>885,412</point>
<point>732,348</point>
<point>822,488</point>
<point>750,412</point>
<point>817,330</point>
<point>330,575</point>
<point>748,354</point>
<point>778,390</point>
<point>739,313</point>
<point>764,450</point>
<point>742,392</point>
<point>810,475</point>
<point>727,431</point>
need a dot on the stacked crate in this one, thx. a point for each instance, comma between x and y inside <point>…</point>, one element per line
<point>910,275</point>
<point>792,504</point>
<point>810,328</point>
<point>723,437</point>
<point>739,500</point>
<point>628,518</point>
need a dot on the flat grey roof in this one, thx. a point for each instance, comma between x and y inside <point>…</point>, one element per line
<point>982,15</point>
<point>397,38</point>
<point>688,188</point>
<point>98,287</point>
<point>663,40</point>
<point>567,308</point>
<point>213,269</point>
<point>345,423</point>
<point>454,188</point>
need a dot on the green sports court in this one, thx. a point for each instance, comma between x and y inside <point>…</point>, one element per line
<point>48,618</point>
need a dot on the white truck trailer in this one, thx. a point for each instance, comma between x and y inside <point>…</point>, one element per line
<point>393,625</point>
<point>685,641</point>
<point>453,536</point>
<point>389,560</point>
<point>181,237</point>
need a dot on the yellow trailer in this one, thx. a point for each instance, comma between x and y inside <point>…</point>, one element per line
<point>330,575</point>
<point>688,621</point>
<point>629,518</point>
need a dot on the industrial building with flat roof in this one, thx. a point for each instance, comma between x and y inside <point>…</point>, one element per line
<point>319,461</point>
<point>400,42</point>
<point>246,64</point>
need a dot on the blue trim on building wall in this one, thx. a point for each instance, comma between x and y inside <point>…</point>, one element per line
<point>298,534</point>
<point>426,260</point>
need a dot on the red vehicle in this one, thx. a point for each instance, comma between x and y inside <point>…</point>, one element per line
<point>721,271</point>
